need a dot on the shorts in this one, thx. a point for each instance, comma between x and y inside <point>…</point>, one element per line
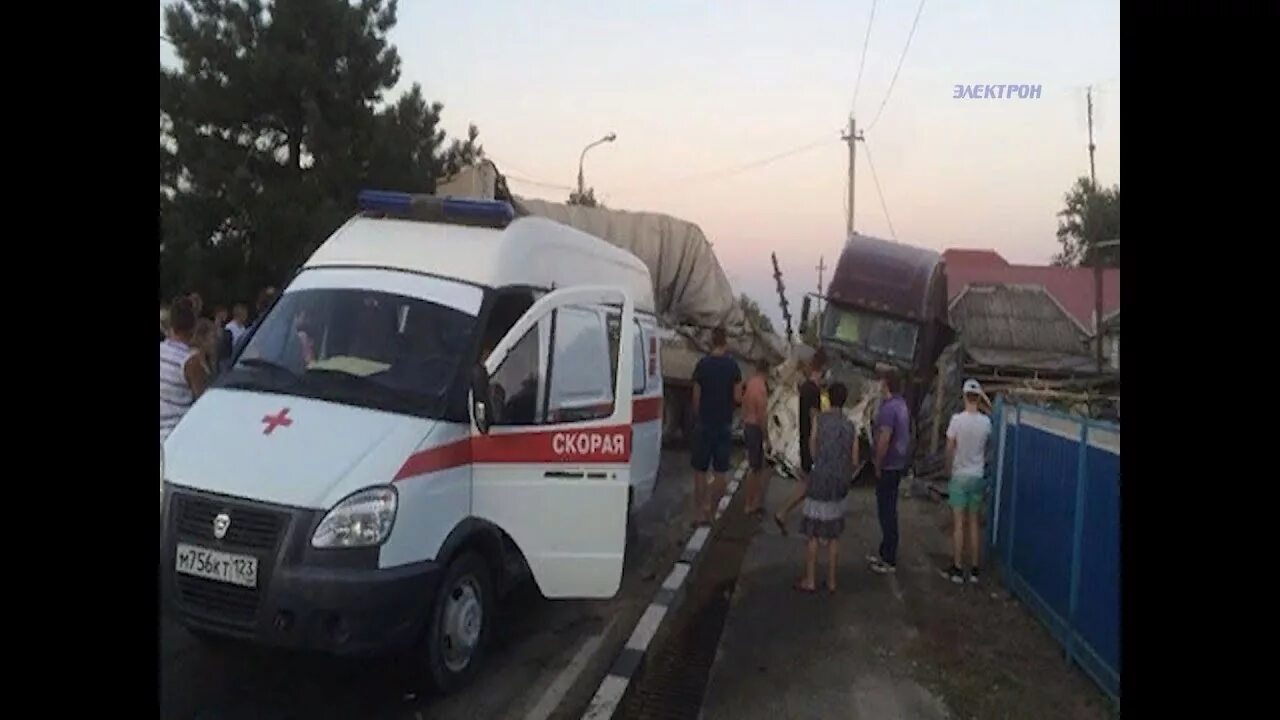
<point>965,492</point>
<point>753,435</point>
<point>711,450</point>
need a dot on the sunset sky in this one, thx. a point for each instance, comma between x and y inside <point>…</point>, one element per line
<point>696,89</point>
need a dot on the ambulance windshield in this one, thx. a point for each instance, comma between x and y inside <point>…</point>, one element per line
<point>360,347</point>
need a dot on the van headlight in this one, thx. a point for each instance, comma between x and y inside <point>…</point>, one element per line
<point>361,520</point>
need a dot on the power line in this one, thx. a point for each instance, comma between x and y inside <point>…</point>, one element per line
<point>862,64</point>
<point>738,169</point>
<point>538,183</point>
<point>526,180</point>
<point>499,161</point>
<point>876,180</point>
<point>902,57</point>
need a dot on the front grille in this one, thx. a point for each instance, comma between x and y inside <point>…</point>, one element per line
<point>253,530</point>
<point>218,602</point>
<point>250,528</point>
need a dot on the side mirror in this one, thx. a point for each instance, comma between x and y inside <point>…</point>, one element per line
<point>804,312</point>
<point>481,409</point>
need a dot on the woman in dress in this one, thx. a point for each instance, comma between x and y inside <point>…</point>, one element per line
<point>833,442</point>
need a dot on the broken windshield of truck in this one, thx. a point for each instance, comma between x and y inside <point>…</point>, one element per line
<point>880,335</point>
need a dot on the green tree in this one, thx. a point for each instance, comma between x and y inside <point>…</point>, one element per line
<point>270,126</point>
<point>754,314</point>
<point>408,150</point>
<point>586,199</point>
<point>1091,215</point>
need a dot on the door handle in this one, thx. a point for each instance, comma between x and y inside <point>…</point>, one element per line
<point>564,474</point>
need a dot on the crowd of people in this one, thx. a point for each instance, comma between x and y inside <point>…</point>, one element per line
<point>195,347</point>
<point>830,459</point>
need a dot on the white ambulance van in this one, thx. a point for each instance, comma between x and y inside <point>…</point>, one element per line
<point>445,400</point>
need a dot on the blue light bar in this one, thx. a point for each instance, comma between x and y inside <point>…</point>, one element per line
<point>479,209</point>
<point>385,200</point>
<point>409,206</point>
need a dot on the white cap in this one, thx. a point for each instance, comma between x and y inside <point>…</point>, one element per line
<point>971,387</point>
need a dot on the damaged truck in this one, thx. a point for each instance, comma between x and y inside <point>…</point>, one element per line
<point>886,306</point>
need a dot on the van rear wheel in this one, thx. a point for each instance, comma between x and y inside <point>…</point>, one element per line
<point>458,632</point>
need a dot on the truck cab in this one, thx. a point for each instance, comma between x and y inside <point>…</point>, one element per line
<point>445,400</point>
<point>886,305</point>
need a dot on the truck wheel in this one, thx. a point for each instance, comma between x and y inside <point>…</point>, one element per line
<point>461,616</point>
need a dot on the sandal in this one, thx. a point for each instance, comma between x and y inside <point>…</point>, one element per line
<point>799,587</point>
<point>782,526</point>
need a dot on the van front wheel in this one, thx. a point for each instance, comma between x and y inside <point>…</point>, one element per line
<point>461,616</point>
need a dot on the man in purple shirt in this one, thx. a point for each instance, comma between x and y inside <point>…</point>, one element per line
<point>892,438</point>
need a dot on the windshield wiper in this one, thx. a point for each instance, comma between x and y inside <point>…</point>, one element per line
<point>365,387</point>
<point>281,379</point>
<point>266,365</point>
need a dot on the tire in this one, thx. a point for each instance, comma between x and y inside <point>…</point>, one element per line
<point>462,613</point>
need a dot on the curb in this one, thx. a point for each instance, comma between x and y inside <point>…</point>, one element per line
<point>630,659</point>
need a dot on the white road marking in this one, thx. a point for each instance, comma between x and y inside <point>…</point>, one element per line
<point>677,576</point>
<point>647,627</point>
<point>556,691</point>
<point>607,698</point>
<point>698,539</point>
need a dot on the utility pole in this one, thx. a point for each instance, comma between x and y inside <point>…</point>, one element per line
<point>1094,238</point>
<point>782,297</point>
<point>851,137</point>
<point>821,266</point>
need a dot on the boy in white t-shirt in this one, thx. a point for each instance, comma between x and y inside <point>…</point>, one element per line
<point>967,437</point>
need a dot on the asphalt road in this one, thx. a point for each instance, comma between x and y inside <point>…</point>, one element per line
<point>546,659</point>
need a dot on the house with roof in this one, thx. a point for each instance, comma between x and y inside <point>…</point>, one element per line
<point>1072,287</point>
<point>1111,339</point>
<point>1019,330</point>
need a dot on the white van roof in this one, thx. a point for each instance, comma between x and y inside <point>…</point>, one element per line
<point>530,251</point>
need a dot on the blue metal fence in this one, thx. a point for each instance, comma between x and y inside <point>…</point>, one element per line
<point>1055,529</point>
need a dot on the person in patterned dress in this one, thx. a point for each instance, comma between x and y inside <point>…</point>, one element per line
<point>834,444</point>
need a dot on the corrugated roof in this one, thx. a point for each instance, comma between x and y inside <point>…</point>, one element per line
<point>1032,360</point>
<point>1018,326</point>
<point>1071,286</point>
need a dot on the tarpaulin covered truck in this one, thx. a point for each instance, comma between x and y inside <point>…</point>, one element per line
<point>691,292</point>
<point>886,305</point>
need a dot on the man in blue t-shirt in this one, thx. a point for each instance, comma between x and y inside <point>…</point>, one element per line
<point>892,443</point>
<point>717,387</point>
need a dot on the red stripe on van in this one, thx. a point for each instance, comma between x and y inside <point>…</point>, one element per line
<point>646,409</point>
<point>587,445</point>
<point>572,446</point>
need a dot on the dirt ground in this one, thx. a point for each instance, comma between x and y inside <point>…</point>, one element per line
<point>978,646</point>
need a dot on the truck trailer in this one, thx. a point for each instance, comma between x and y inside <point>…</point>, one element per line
<point>692,294</point>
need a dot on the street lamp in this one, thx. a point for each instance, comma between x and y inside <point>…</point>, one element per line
<point>606,139</point>
<point>1097,294</point>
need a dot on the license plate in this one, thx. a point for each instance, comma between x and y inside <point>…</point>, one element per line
<point>224,567</point>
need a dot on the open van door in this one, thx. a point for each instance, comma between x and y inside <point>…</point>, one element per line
<point>552,450</point>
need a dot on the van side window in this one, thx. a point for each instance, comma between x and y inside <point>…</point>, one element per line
<point>580,386</point>
<point>638,373</point>
<point>507,309</point>
<point>515,386</point>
